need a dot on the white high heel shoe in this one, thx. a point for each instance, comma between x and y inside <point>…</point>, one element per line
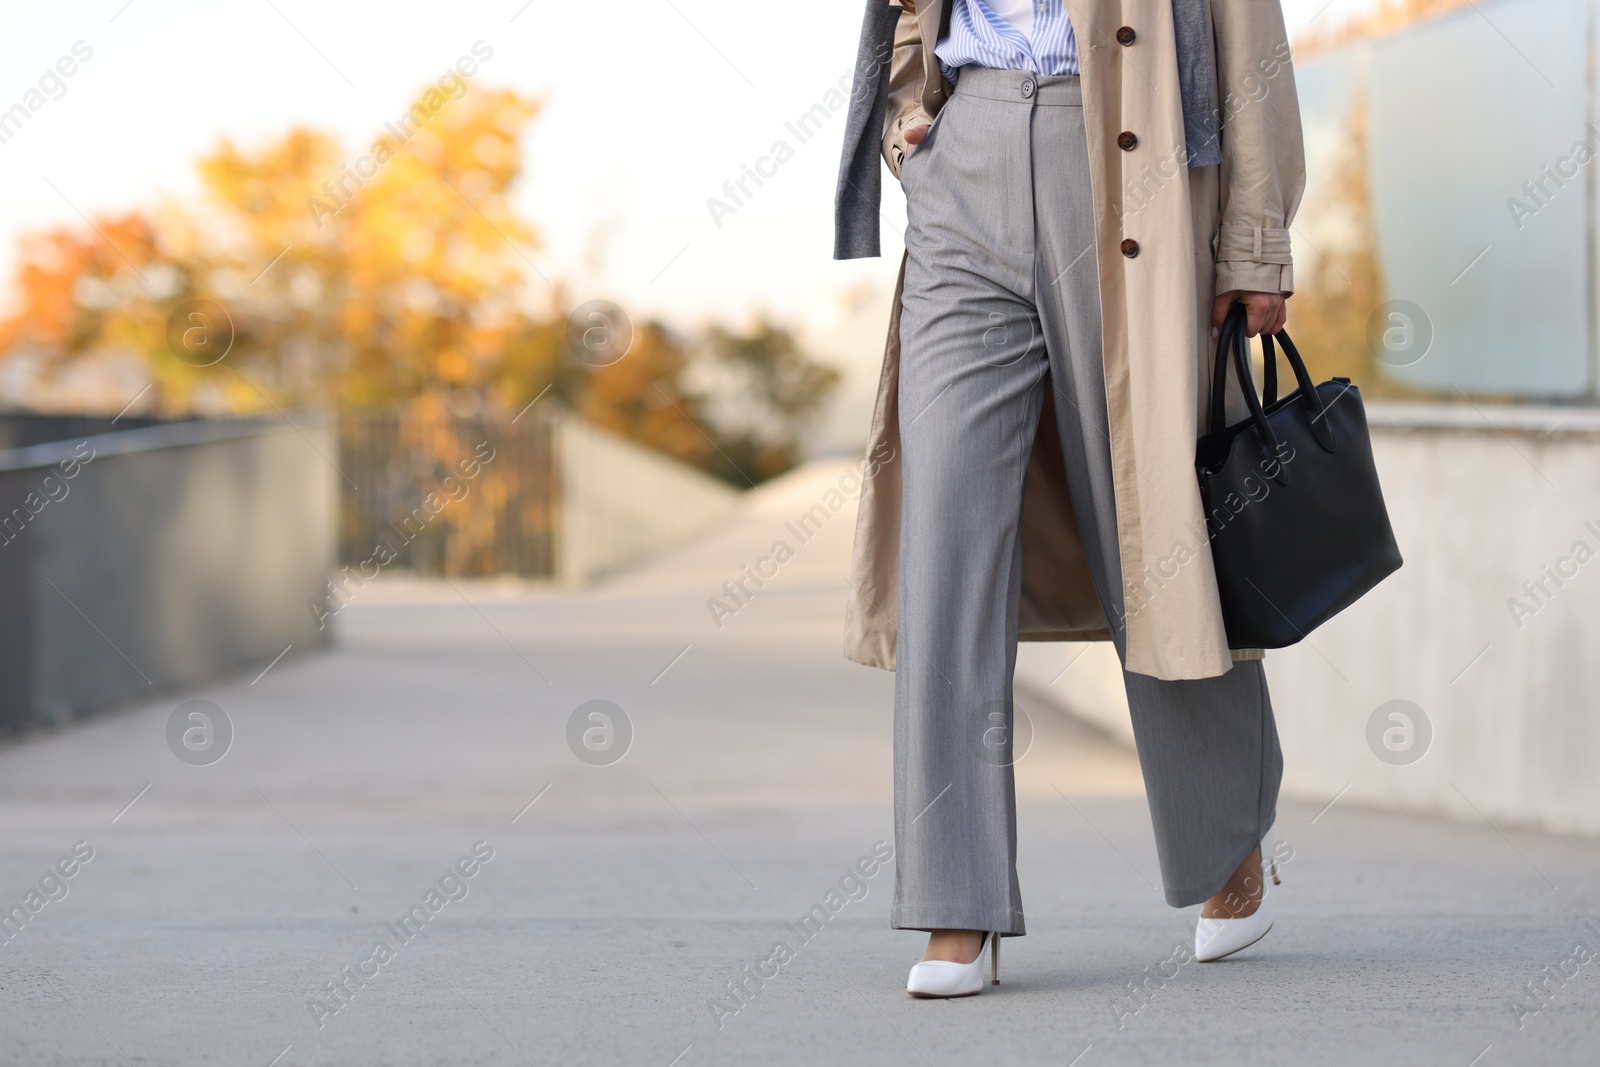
<point>946,978</point>
<point>1216,938</point>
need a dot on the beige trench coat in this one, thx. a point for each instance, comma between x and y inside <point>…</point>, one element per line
<point>1200,232</point>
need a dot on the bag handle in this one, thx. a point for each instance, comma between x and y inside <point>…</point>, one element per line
<point>1219,370</point>
<point>1232,336</point>
<point>1269,373</point>
<point>1271,450</point>
<point>1321,428</point>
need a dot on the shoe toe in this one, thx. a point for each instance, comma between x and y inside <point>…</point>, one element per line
<point>942,978</point>
<point>1216,938</point>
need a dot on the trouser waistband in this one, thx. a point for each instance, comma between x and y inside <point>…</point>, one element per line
<point>1020,87</point>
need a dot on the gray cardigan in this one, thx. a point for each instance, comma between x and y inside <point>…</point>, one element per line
<point>860,189</point>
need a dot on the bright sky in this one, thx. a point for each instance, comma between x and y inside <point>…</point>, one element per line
<point>651,106</point>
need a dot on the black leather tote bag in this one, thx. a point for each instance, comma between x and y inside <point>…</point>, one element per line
<point>1294,512</point>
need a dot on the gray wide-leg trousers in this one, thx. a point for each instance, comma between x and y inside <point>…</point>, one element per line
<point>1001,303</point>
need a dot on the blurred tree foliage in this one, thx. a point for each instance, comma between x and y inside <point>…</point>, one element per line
<point>397,278</point>
<point>780,391</point>
<point>1341,282</point>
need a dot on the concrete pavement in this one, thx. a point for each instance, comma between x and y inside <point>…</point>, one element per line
<point>610,907</point>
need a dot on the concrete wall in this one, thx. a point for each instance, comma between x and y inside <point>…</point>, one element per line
<point>158,556</point>
<point>618,501</point>
<point>1483,499</point>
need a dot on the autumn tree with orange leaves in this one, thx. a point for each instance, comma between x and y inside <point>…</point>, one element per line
<point>395,278</point>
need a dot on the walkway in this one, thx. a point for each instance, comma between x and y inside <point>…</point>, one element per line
<point>609,907</point>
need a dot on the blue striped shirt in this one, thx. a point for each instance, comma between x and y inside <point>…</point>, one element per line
<point>979,36</point>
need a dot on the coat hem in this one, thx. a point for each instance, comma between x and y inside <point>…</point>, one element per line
<point>871,648</point>
<point>876,648</point>
<point>1065,635</point>
<point>1190,668</point>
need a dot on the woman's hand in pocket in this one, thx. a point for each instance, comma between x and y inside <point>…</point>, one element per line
<point>912,137</point>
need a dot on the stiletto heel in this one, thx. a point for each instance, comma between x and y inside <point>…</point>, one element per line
<point>946,978</point>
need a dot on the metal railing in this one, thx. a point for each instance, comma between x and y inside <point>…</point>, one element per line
<point>549,496</point>
<point>460,497</point>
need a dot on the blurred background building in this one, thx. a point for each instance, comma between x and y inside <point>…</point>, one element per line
<point>1449,218</point>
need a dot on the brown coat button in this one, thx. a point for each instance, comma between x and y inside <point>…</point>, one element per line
<point>1130,247</point>
<point>1127,141</point>
<point>1126,36</point>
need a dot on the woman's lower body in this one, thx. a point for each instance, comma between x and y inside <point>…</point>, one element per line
<point>1000,304</point>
